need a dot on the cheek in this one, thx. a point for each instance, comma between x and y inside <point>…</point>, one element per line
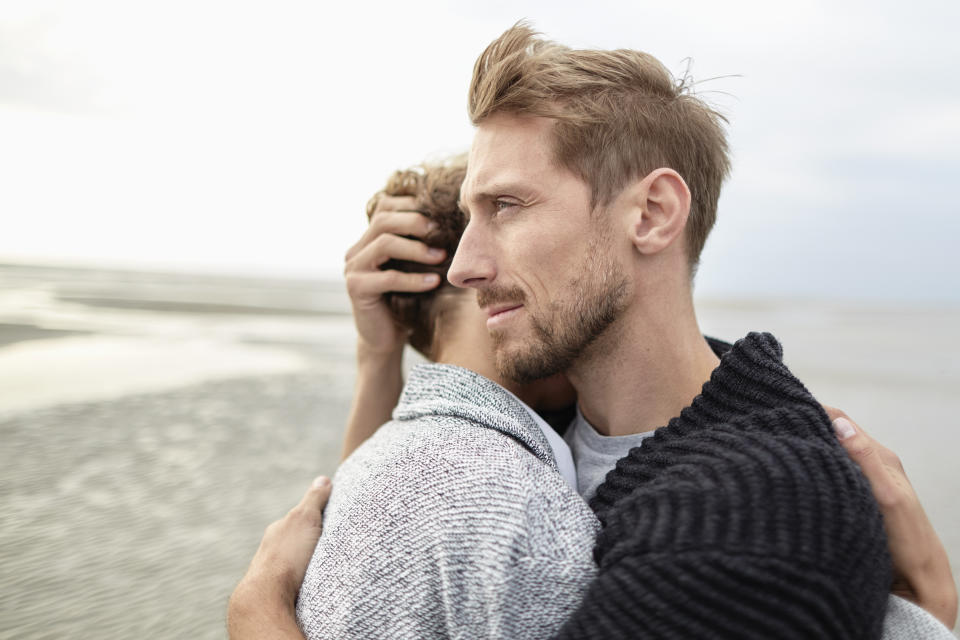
<point>536,268</point>
<point>524,255</point>
<point>543,257</point>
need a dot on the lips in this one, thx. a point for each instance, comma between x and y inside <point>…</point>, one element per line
<point>499,309</point>
<point>501,304</point>
<point>501,315</point>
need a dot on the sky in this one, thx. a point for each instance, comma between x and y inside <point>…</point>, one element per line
<point>246,137</point>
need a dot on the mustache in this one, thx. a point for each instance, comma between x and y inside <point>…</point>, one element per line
<point>500,295</point>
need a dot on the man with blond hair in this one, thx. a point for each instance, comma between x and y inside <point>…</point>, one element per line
<point>592,184</point>
<point>591,187</point>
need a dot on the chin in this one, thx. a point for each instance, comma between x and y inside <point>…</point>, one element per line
<point>527,363</point>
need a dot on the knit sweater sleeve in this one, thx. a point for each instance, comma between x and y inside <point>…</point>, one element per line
<point>759,527</point>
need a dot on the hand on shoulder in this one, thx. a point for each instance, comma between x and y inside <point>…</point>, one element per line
<point>922,572</point>
<point>262,605</point>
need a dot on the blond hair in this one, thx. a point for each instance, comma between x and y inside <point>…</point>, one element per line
<point>436,188</point>
<point>620,115</point>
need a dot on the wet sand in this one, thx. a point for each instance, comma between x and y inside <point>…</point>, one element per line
<point>134,518</point>
<point>133,512</point>
<point>13,333</point>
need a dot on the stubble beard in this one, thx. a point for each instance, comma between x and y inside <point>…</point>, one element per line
<point>589,305</point>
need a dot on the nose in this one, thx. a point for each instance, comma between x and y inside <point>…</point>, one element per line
<point>472,265</point>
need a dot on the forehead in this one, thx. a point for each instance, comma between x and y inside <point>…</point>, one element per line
<point>509,150</point>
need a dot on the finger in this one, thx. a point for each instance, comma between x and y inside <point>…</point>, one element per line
<point>412,224</point>
<point>401,223</point>
<point>315,499</point>
<point>390,247</point>
<point>867,453</point>
<point>888,457</point>
<point>374,284</point>
<point>395,203</point>
<point>835,413</point>
<point>310,507</point>
<point>854,439</point>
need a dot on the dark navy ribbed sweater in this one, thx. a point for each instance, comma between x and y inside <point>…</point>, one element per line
<point>742,518</point>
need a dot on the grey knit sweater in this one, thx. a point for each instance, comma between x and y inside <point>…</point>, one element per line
<point>451,521</point>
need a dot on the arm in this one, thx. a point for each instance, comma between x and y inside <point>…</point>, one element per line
<point>375,394</point>
<point>393,227</point>
<point>922,571</point>
<point>262,605</point>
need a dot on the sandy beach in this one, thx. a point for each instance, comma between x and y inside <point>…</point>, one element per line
<point>153,425</point>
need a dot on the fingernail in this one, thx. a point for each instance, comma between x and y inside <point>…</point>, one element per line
<point>844,428</point>
<point>433,252</point>
<point>431,226</point>
<point>431,278</point>
<point>320,481</point>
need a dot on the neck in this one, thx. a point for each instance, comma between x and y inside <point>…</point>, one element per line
<point>648,366</point>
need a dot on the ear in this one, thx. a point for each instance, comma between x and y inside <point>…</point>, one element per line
<point>660,207</point>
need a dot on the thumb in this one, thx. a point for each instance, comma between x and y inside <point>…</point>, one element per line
<point>863,450</point>
<point>317,495</point>
<point>835,413</point>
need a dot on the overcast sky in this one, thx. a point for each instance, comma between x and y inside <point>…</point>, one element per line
<point>247,136</point>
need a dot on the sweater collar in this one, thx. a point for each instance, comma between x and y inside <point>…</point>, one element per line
<point>751,376</point>
<point>452,391</point>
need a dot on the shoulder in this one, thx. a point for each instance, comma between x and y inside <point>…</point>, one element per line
<point>436,446</point>
<point>769,469</point>
<point>764,503</point>
<point>451,472</point>
<point>442,521</point>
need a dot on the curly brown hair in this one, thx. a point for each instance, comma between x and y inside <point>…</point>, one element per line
<point>436,187</point>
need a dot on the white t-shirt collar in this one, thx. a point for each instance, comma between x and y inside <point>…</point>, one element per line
<point>561,450</point>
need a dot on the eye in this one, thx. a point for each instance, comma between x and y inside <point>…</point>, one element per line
<point>502,205</point>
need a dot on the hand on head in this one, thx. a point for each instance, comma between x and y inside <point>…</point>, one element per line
<point>395,233</point>
<point>395,277</point>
